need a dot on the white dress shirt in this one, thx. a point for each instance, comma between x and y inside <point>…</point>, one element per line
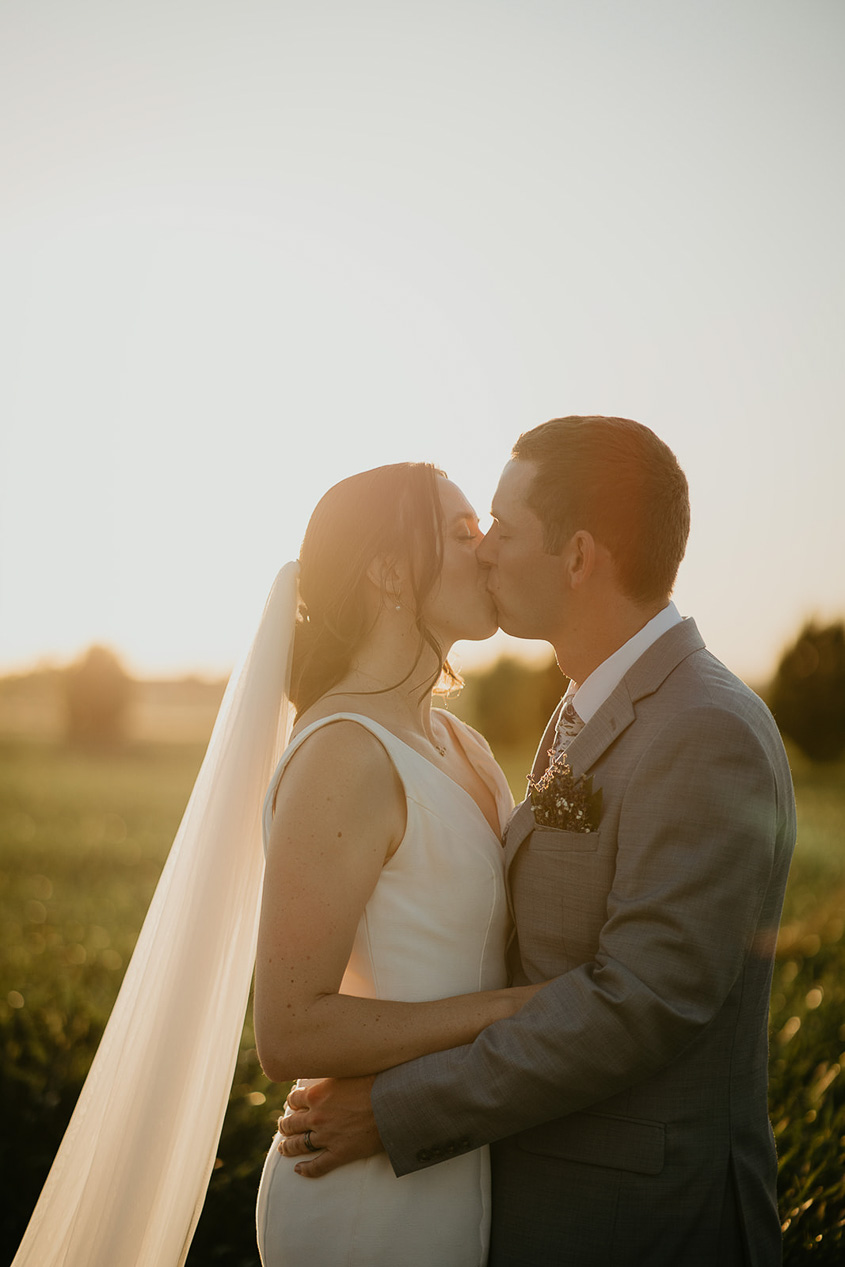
<point>588,698</point>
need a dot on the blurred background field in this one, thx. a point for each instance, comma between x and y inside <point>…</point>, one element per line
<point>84,830</point>
<point>248,249</point>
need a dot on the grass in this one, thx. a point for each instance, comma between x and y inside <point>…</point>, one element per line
<point>807,1059</point>
<point>82,841</point>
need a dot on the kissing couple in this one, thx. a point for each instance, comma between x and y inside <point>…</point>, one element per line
<point>551,1021</point>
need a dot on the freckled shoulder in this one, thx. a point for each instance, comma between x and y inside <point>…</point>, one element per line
<point>341,762</point>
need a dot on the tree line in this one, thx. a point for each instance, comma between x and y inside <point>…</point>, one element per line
<point>511,701</point>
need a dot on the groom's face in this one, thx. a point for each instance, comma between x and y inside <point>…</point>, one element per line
<point>527,584</point>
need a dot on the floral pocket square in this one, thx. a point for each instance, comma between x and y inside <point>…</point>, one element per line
<point>562,801</point>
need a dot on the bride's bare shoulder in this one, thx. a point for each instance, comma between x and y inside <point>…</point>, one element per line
<point>341,745</point>
<point>340,779</point>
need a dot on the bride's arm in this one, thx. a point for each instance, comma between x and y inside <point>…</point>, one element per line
<point>340,813</point>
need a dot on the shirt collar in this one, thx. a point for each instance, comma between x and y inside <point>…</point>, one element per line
<point>595,689</point>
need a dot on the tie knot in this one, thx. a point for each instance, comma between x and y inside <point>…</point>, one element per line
<point>569,723</point>
<point>569,712</point>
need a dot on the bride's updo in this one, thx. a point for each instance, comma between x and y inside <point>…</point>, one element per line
<point>392,513</point>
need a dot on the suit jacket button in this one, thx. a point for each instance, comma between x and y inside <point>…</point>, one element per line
<point>465,1145</point>
<point>423,1155</point>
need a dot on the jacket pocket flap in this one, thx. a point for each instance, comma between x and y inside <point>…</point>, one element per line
<point>553,840</point>
<point>600,1139</point>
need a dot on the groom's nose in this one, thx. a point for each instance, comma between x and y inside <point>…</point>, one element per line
<point>486,551</point>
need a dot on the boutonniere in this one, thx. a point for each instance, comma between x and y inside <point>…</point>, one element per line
<point>561,801</point>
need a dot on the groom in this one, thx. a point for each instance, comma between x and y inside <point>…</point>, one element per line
<point>626,1103</point>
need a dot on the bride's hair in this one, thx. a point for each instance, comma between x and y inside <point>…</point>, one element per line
<point>388,513</point>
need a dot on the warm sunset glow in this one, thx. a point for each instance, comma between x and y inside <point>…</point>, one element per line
<point>254,250</point>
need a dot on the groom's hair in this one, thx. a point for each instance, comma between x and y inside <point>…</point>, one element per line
<point>617,480</point>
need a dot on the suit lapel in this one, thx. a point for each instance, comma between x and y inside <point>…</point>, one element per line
<point>541,756</point>
<point>582,752</point>
<point>643,678</point>
<point>519,828</point>
<point>614,717</point>
<point>521,822</point>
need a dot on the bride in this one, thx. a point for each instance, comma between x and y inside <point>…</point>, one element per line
<point>384,916</point>
<point>383,928</point>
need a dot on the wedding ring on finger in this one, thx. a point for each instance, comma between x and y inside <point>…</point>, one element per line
<point>306,1139</point>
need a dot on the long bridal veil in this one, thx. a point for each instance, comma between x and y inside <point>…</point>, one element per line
<point>128,1182</point>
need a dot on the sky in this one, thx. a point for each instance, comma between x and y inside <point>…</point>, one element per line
<point>247,249</point>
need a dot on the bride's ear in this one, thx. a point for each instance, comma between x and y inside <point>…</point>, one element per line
<point>387,577</point>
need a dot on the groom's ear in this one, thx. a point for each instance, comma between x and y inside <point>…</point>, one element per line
<point>580,558</point>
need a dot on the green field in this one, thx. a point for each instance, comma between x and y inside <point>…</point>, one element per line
<point>82,840</point>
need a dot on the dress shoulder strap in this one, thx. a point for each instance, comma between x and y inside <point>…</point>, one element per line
<point>395,748</point>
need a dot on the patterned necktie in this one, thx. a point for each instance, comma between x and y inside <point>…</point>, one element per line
<point>569,724</point>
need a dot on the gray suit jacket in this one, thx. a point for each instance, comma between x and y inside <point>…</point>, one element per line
<point>630,1095</point>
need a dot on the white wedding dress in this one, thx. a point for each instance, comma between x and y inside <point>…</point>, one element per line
<point>436,925</point>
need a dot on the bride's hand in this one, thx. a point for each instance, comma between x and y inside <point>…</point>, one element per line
<point>335,1118</point>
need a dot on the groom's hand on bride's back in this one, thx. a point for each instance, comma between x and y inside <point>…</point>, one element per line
<point>335,1118</point>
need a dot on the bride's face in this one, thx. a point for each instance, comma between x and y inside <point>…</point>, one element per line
<point>460,606</point>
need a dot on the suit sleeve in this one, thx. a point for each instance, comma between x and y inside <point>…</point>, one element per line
<point>696,843</point>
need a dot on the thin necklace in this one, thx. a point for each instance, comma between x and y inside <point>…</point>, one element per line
<point>436,746</point>
<point>362,673</point>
